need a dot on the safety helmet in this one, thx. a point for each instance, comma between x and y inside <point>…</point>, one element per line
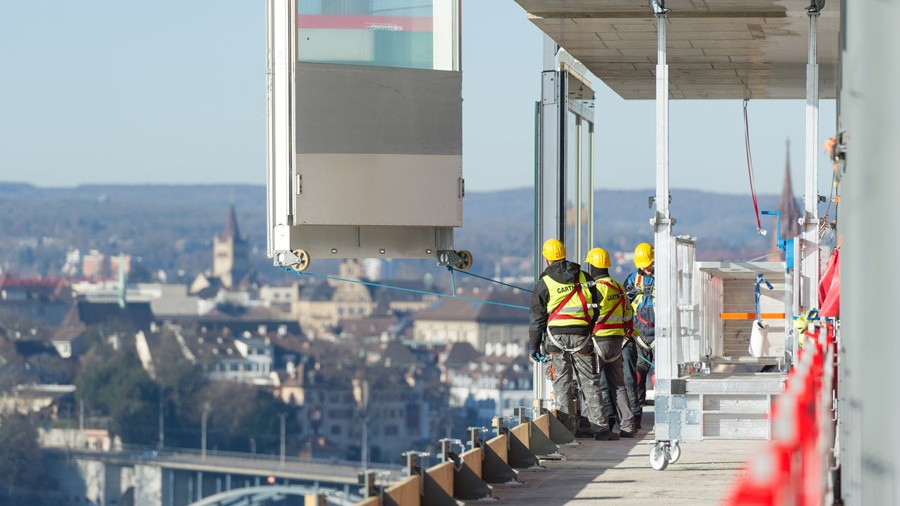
<point>554,250</point>
<point>598,257</point>
<point>643,255</point>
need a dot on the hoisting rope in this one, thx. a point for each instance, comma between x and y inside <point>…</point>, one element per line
<point>452,270</point>
<point>759,228</point>
<point>379,285</point>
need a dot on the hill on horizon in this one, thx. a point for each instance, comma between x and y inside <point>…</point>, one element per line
<point>170,227</point>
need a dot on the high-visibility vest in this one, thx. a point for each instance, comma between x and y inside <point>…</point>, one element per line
<point>615,314</point>
<point>568,303</point>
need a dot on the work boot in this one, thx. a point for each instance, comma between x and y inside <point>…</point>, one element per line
<point>606,435</point>
<point>625,433</point>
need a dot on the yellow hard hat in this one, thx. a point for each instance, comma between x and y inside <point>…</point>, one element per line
<point>643,255</point>
<point>554,250</point>
<point>598,257</point>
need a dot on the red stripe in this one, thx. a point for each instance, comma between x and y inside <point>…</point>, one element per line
<point>373,23</point>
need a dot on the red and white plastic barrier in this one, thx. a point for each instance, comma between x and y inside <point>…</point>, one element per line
<point>793,468</point>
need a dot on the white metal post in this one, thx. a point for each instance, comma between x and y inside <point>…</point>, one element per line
<point>550,178</point>
<point>576,202</point>
<point>662,222</point>
<point>809,262</point>
<point>280,149</point>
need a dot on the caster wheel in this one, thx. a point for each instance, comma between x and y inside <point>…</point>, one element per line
<point>674,453</point>
<point>465,260</point>
<point>302,260</point>
<point>659,457</point>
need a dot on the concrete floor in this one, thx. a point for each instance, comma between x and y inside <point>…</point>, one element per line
<point>619,472</point>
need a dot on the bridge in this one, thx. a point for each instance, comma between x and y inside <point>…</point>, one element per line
<point>184,477</point>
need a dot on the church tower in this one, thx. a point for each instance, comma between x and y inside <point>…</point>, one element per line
<point>231,258</point>
<point>788,207</point>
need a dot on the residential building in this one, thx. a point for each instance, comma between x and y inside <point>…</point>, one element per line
<point>494,322</point>
<point>484,387</point>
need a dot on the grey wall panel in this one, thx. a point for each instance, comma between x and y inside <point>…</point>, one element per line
<point>407,190</point>
<point>355,109</point>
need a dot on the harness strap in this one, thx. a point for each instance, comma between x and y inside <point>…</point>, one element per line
<point>563,348</point>
<point>645,322</point>
<point>643,344</point>
<point>603,358</point>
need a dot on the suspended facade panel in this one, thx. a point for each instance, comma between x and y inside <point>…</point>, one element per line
<point>365,128</point>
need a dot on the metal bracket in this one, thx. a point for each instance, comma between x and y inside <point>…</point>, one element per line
<point>474,436</point>
<point>520,414</point>
<point>497,424</point>
<point>661,220</point>
<point>412,462</point>
<point>367,480</point>
<point>815,7</point>
<point>285,258</point>
<point>658,7</point>
<point>446,446</point>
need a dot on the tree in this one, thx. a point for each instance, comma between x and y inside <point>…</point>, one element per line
<point>119,387</point>
<point>239,412</point>
<point>21,461</point>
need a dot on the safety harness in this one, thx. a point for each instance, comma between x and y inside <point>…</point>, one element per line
<point>557,314</point>
<point>619,306</point>
<point>638,300</point>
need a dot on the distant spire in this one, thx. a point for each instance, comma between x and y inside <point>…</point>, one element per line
<point>231,226</point>
<point>790,211</point>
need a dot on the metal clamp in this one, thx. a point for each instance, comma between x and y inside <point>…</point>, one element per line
<point>474,436</point>
<point>367,480</point>
<point>520,414</point>
<point>497,424</point>
<point>412,461</point>
<point>445,446</point>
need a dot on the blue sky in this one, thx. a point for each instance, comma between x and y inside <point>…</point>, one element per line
<point>173,92</point>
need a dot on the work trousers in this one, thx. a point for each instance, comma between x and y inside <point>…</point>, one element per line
<point>612,378</point>
<point>635,382</point>
<point>571,372</point>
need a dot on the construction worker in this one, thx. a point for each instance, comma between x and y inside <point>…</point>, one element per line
<point>612,322</point>
<point>561,321</point>
<point>637,355</point>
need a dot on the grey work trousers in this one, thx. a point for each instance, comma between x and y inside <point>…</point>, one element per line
<point>635,382</point>
<point>614,379</point>
<point>569,371</point>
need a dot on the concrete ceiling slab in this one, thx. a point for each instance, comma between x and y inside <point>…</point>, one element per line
<point>717,49</point>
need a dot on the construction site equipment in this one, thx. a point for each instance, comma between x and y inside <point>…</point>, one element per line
<point>399,120</point>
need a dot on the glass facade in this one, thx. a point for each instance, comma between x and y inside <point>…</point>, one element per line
<point>420,34</point>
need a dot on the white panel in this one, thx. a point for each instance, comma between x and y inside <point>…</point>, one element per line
<point>444,29</point>
<point>337,45</point>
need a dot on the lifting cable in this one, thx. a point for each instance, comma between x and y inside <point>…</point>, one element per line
<point>423,292</point>
<point>759,228</point>
<point>452,270</point>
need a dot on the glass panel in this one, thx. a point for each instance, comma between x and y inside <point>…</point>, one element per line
<point>420,34</point>
<point>588,240</point>
<point>572,202</point>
